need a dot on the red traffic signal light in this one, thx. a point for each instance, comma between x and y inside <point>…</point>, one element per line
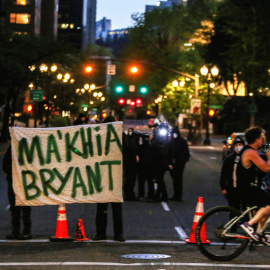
<point>121,101</point>
<point>211,112</point>
<point>29,108</point>
<point>132,103</point>
<point>138,102</point>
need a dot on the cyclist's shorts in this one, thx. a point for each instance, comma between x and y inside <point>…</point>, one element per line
<point>255,197</point>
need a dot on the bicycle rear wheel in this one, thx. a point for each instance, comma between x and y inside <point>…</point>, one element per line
<point>227,240</point>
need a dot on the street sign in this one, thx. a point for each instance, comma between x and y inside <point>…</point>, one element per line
<point>253,108</point>
<point>111,69</point>
<point>36,95</point>
<point>85,105</point>
<point>195,106</point>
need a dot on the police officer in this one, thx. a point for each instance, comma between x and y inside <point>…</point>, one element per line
<point>180,156</point>
<point>161,160</point>
<point>131,159</point>
<point>145,167</point>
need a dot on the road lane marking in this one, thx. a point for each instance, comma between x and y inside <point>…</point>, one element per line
<point>181,233</point>
<point>184,236</point>
<point>104,241</point>
<point>165,206</point>
<point>255,266</point>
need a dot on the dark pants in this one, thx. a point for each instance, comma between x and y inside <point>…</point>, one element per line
<point>101,218</point>
<point>235,202</point>
<point>146,174</point>
<point>130,180</point>
<point>161,187</point>
<point>18,212</point>
<point>177,177</point>
<point>234,199</point>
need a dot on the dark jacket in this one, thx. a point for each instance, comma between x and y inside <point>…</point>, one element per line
<point>226,175</point>
<point>179,150</point>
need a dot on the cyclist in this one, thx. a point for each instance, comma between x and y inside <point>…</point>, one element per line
<point>247,178</point>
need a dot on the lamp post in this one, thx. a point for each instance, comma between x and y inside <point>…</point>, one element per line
<point>158,102</point>
<point>50,69</point>
<point>209,74</point>
<point>64,78</point>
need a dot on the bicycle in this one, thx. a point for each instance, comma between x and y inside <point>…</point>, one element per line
<point>222,227</point>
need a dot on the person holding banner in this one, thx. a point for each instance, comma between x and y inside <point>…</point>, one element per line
<point>102,214</point>
<point>16,211</point>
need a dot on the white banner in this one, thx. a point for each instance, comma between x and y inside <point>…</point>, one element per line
<point>76,164</point>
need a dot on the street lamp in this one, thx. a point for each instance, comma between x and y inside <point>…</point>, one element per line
<point>64,78</point>
<point>209,74</point>
<point>50,69</point>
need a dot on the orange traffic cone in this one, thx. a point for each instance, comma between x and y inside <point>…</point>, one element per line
<point>61,233</point>
<point>198,213</point>
<point>80,235</point>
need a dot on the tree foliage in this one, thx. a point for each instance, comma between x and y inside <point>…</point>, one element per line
<point>17,53</point>
<point>241,42</point>
<point>159,37</point>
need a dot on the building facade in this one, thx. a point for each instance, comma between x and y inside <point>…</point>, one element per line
<point>21,16</point>
<point>103,27</point>
<point>77,21</point>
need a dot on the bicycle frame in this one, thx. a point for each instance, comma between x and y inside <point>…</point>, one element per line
<point>234,221</point>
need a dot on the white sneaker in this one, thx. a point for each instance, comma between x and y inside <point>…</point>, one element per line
<point>250,231</point>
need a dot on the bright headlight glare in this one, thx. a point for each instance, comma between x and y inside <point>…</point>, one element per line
<point>163,132</point>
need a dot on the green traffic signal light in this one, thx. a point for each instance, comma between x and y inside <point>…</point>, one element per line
<point>119,89</point>
<point>143,90</point>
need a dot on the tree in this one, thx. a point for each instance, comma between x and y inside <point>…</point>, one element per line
<point>240,46</point>
<point>159,37</point>
<point>17,54</point>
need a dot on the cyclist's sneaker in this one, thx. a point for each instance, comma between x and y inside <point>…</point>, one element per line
<point>250,231</point>
<point>264,239</point>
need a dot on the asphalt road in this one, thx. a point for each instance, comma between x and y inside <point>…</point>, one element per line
<point>155,232</point>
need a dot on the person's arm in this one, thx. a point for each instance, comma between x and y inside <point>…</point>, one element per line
<point>253,156</point>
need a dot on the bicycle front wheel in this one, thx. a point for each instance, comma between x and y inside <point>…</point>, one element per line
<point>227,239</point>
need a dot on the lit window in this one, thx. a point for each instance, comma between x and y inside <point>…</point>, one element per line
<point>20,18</point>
<point>21,2</point>
<point>64,25</point>
<point>71,26</point>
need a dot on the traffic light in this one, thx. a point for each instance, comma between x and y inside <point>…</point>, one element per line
<point>88,69</point>
<point>121,101</point>
<point>29,108</point>
<point>119,89</point>
<point>143,90</point>
<point>148,112</point>
<point>134,69</point>
<point>132,103</point>
<point>104,115</point>
<point>211,112</point>
<point>138,102</point>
